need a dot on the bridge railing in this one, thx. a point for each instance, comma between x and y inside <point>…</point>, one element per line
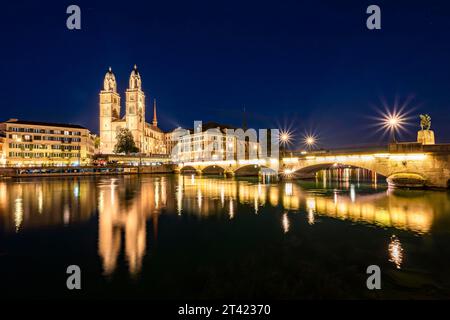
<point>418,147</point>
<point>324,152</point>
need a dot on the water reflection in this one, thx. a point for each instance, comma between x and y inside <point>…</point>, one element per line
<point>128,205</point>
<point>18,213</point>
<point>285,223</point>
<point>395,252</point>
<point>311,206</point>
<point>131,203</point>
<point>30,204</point>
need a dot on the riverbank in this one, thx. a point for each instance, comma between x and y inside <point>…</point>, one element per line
<point>58,171</point>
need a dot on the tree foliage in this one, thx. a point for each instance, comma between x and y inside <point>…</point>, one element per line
<point>125,142</point>
<point>97,142</point>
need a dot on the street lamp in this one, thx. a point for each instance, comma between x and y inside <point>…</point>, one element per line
<point>310,141</point>
<point>393,122</point>
<point>285,138</point>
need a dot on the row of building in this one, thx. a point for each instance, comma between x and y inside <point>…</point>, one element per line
<point>31,143</point>
<point>40,143</point>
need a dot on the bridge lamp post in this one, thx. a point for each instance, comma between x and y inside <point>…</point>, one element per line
<point>393,122</point>
<point>285,138</point>
<point>310,141</point>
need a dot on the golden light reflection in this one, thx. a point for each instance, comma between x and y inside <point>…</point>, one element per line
<point>231,209</point>
<point>222,196</point>
<point>128,204</point>
<point>18,213</point>
<point>352,193</point>
<point>116,218</point>
<point>285,223</point>
<point>288,189</point>
<point>33,204</point>
<point>395,252</point>
<point>206,196</point>
<point>179,195</point>
<point>66,214</point>
<point>414,214</point>
<point>311,208</point>
<point>199,199</point>
<point>156,194</point>
<point>40,198</point>
<point>3,196</point>
<point>256,204</point>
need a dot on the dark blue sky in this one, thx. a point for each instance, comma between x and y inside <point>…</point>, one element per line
<point>305,64</point>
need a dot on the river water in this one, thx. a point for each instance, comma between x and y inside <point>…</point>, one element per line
<point>178,237</point>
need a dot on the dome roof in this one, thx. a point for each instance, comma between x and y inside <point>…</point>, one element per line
<point>135,79</point>
<point>109,83</point>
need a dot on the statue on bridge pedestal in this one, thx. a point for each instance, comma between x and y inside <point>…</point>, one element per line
<point>425,121</point>
<point>425,135</point>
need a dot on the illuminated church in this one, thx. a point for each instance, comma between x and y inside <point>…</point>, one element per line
<point>147,136</point>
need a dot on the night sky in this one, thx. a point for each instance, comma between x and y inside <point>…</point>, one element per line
<point>308,65</point>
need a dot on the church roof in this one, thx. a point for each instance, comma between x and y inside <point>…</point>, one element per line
<point>153,127</point>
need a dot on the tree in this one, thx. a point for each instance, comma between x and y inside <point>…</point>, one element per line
<point>125,142</point>
<point>97,142</point>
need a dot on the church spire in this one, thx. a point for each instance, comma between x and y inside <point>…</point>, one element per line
<point>244,119</point>
<point>155,120</point>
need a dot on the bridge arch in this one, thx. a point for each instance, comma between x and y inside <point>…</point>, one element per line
<point>396,176</point>
<point>406,179</point>
<point>252,170</point>
<point>213,169</point>
<point>309,171</point>
<point>188,169</point>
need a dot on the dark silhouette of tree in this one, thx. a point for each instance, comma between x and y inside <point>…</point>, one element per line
<point>125,142</point>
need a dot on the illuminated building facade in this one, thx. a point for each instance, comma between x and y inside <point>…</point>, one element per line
<point>2,153</point>
<point>214,142</point>
<point>172,138</point>
<point>147,136</point>
<point>30,143</point>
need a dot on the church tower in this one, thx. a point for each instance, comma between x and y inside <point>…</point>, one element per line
<point>135,109</point>
<point>109,112</point>
<point>155,119</point>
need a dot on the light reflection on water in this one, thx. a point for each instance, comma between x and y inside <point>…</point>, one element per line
<point>125,204</point>
<point>396,251</point>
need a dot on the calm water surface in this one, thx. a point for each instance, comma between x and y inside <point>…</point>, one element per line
<point>169,237</point>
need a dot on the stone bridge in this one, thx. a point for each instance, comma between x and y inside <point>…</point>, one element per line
<point>403,164</point>
<point>230,168</point>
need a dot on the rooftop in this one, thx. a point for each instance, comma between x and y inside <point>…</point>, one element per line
<point>45,124</point>
<point>214,125</point>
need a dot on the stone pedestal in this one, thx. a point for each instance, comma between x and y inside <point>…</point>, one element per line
<point>425,136</point>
